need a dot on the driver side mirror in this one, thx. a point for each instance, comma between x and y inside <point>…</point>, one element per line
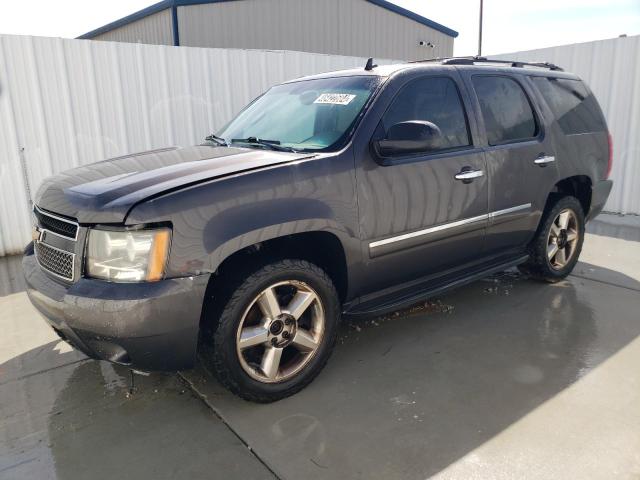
<point>405,138</point>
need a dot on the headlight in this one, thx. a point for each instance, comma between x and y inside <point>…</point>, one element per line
<point>127,256</point>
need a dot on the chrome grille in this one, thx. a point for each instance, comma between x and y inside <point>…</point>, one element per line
<point>54,260</point>
<point>58,225</point>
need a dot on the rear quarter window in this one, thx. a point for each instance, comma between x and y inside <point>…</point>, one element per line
<point>574,107</point>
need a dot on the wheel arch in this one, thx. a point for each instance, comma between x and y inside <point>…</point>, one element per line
<point>323,248</point>
<point>579,186</point>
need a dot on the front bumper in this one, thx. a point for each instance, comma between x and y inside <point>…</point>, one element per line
<point>148,326</point>
<point>599,195</point>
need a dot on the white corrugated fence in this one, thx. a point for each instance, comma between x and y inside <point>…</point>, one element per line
<point>64,103</point>
<point>612,70</point>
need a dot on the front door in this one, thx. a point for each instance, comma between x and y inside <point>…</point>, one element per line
<point>422,213</point>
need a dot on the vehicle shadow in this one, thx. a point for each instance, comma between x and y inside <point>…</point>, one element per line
<point>85,420</point>
<point>404,396</point>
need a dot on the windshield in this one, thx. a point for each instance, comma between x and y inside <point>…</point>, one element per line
<point>309,115</point>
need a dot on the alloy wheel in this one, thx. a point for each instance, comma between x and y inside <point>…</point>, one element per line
<point>562,239</point>
<point>280,332</point>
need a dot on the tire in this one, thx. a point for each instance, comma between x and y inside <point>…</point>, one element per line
<point>282,363</point>
<point>543,264</point>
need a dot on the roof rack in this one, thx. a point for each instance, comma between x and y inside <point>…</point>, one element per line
<point>476,60</point>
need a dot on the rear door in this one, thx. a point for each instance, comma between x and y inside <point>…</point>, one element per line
<point>521,162</point>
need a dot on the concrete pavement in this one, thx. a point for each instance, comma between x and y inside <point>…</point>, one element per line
<point>504,378</point>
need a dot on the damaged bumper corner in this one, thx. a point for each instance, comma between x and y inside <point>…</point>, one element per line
<point>147,326</point>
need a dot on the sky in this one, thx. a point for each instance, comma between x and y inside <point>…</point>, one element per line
<point>514,25</point>
<point>509,25</point>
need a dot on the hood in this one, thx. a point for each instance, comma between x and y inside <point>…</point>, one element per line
<point>104,192</point>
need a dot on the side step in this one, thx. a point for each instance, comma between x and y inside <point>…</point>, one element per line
<point>421,292</point>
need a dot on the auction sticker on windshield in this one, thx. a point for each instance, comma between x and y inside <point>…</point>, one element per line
<point>335,98</point>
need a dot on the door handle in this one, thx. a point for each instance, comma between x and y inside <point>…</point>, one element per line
<point>467,176</point>
<point>544,159</point>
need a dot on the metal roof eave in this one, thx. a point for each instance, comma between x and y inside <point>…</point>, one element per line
<point>164,4</point>
<point>140,14</point>
<point>414,16</point>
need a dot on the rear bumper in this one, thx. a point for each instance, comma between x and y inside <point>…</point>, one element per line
<point>148,326</point>
<point>599,195</point>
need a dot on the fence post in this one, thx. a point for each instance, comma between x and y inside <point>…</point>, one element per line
<point>25,176</point>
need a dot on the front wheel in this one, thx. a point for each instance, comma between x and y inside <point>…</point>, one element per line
<point>558,242</point>
<point>276,331</point>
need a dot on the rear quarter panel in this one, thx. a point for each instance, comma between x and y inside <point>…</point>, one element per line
<point>577,154</point>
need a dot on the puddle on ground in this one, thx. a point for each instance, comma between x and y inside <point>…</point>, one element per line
<point>501,283</point>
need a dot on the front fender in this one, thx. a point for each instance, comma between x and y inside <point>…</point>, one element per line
<point>224,249</point>
<point>213,220</point>
<point>237,220</point>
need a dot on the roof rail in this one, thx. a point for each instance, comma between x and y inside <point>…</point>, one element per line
<point>477,60</point>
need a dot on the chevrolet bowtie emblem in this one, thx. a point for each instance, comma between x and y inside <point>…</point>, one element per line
<point>36,234</point>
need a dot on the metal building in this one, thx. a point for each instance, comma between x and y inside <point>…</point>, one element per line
<point>375,28</point>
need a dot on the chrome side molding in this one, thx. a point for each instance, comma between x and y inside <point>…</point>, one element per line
<point>497,213</point>
<point>427,231</point>
<point>446,226</point>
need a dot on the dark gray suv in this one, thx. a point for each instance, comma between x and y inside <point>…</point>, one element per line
<point>356,192</point>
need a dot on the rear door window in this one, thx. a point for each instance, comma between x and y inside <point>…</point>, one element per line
<point>435,100</point>
<point>574,107</point>
<point>507,112</point>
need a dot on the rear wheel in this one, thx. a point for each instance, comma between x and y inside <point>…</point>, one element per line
<point>276,331</point>
<point>558,242</point>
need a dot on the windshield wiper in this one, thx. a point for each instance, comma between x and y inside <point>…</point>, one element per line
<point>219,140</point>
<point>270,144</point>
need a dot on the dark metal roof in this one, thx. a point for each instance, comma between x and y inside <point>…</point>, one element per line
<point>173,4</point>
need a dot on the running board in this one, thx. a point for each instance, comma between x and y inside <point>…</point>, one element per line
<point>429,289</point>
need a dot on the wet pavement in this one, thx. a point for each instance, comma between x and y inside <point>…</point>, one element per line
<point>504,378</point>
